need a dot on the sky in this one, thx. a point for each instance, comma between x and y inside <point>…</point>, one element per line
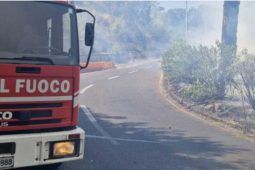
<point>212,29</point>
<point>182,4</point>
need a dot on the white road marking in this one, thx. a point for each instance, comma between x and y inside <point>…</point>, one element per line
<point>123,139</point>
<point>188,156</point>
<point>114,77</point>
<point>76,93</point>
<point>97,126</point>
<point>86,88</point>
<point>131,72</point>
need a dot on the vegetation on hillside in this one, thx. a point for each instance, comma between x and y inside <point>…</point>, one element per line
<point>193,69</point>
<point>130,30</point>
<point>193,73</point>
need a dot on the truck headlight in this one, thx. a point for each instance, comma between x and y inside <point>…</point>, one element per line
<point>63,149</point>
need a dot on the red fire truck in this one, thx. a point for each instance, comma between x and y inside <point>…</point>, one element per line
<point>39,83</point>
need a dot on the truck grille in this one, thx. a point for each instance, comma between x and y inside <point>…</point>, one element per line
<point>22,118</point>
<point>34,122</point>
<point>35,116</point>
<point>27,115</point>
<point>34,105</point>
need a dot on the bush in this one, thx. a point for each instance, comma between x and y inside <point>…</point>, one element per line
<point>198,92</point>
<point>179,62</point>
<point>244,68</point>
<point>196,67</point>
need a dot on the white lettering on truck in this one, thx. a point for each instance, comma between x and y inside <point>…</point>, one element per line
<point>42,86</point>
<point>4,124</point>
<point>31,87</point>
<point>19,85</point>
<point>65,86</point>
<point>2,87</point>
<point>6,115</point>
<point>54,86</point>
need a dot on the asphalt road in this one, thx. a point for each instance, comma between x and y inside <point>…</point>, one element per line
<point>130,126</point>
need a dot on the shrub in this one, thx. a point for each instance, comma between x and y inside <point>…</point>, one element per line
<point>244,68</point>
<point>179,62</point>
<point>198,92</point>
<point>197,67</point>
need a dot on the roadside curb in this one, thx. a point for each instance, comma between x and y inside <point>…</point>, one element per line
<point>172,99</point>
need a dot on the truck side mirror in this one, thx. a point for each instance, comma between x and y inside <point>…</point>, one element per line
<point>89,34</point>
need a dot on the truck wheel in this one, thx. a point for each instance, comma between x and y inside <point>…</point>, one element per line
<point>53,166</point>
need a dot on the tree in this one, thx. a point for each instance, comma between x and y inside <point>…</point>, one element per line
<point>228,48</point>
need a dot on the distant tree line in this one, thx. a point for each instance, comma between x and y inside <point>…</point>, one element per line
<point>138,27</point>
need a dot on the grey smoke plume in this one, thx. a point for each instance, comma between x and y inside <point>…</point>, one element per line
<point>210,30</point>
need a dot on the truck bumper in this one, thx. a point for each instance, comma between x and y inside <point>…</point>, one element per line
<point>36,149</point>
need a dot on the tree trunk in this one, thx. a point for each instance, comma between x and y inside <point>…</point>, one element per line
<point>228,48</point>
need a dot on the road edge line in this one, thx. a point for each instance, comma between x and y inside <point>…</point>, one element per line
<point>113,77</point>
<point>86,88</point>
<point>97,126</point>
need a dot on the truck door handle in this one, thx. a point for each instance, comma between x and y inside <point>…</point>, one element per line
<point>34,70</point>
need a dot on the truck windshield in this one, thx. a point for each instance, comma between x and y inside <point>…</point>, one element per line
<point>38,29</point>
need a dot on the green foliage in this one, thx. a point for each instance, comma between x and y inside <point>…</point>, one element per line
<point>196,67</point>
<point>178,63</point>
<point>199,92</point>
<point>197,71</point>
<point>244,68</point>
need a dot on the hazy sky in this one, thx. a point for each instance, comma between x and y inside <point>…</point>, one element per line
<point>182,4</point>
<point>213,15</point>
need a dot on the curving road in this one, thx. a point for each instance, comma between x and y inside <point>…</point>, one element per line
<point>130,126</point>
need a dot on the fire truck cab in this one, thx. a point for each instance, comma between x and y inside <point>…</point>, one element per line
<point>39,83</point>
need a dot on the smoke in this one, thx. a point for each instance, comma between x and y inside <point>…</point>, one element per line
<point>205,24</point>
<point>210,24</point>
<point>211,27</point>
<point>246,26</point>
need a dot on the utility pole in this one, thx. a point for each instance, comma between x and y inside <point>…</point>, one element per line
<point>230,22</point>
<point>228,40</point>
<point>186,21</point>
